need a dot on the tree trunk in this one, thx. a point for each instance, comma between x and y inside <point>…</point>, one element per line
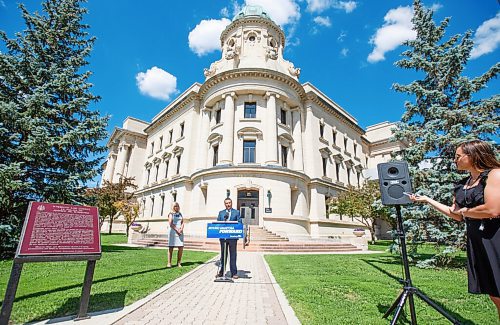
<point>110,224</point>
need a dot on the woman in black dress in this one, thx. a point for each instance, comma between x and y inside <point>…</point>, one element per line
<point>477,202</point>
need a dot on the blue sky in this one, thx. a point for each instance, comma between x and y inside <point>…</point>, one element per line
<point>149,52</point>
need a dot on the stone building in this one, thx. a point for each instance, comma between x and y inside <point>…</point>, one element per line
<point>252,132</point>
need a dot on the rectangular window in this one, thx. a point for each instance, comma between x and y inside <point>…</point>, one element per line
<point>345,143</point>
<point>283,116</point>
<point>156,175</point>
<point>337,171</point>
<point>152,147</point>
<point>349,176</point>
<point>170,136</point>
<point>334,134</point>
<point>166,168</point>
<point>355,149</point>
<point>178,164</point>
<point>284,156</point>
<point>149,174</point>
<point>250,110</point>
<point>152,206</point>
<point>182,130</point>
<point>216,155</point>
<point>358,174</point>
<point>161,141</point>
<point>321,129</point>
<point>162,205</point>
<point>248,151</point>
<point>217,116</point>
<point>324,165</point>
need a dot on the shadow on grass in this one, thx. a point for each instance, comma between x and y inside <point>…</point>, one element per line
<point>404,317</point>
<point>79,285</point>
<point>117,248</point>
<point>98,302</point>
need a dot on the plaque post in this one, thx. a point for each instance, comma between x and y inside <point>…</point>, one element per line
<point>87,285</point>
<point>10,293</point>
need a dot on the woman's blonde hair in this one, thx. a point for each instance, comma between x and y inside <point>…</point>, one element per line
<point>173,205</point>
<point>481,153</point>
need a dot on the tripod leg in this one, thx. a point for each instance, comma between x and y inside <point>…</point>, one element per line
<point>394,304</point>
<point>436,307</point>
<point>413,315</point>
<point>400,307</point>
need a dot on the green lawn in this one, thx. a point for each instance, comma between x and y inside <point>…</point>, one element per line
<point>358,289</point>
<point>123,275</point>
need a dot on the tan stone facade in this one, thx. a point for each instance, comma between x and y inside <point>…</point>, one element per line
<point>280,149</point>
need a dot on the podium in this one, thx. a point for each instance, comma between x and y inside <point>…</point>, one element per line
<point>225,230</point>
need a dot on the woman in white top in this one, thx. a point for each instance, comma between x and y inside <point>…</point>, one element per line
<point>176,235</point>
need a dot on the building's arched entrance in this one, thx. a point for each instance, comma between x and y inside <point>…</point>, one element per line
<point>248,205</point>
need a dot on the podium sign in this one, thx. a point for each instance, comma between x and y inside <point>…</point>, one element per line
<point>225,230</point>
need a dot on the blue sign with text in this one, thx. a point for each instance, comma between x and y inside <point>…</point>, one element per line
<point>224,230</point>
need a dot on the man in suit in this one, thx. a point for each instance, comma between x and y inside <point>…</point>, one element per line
<point>229,214</point>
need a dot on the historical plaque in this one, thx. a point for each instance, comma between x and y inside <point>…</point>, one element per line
<point>60,229</point>
<point>56,232</point>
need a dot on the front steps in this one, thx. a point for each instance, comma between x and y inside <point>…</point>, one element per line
<point>261,240</point>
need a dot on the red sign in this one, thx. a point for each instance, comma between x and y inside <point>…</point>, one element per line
<point>58,229</point>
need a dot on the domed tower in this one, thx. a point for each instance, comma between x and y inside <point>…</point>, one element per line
<point>252,40</point>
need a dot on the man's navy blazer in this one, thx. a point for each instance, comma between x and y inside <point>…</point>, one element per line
<point>235,216</point>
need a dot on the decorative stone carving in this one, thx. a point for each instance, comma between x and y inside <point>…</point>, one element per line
<point>293,70</point>
<point>232,49</point>
<point>271,48</point>
<point>209,72</point>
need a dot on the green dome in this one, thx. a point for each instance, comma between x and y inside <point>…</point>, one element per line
<point>251,11</point>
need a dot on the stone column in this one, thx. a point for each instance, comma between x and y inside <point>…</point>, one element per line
<point>271,135</point>
<point>110,168</point>
<point>310,156</point>
<point>228,131</point>
<point>298,163</point>
<point>205,129</point>
<point>120,161</point>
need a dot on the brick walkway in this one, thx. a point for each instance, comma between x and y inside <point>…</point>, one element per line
<point>254,298</point>
<point>197,299</point>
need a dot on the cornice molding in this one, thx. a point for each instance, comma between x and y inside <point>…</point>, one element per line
<point>254,73</point>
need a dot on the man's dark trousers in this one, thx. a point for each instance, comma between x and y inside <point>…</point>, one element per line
<point>232,250</point>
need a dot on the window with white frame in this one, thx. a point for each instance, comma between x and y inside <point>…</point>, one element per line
<point>249,151</point>
<point>250,110</point>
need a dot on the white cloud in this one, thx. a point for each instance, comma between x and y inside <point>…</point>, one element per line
<point>396,30</point>
<point>204,38</point>
<point>323,21</point>
<point>342,35</point>
<point>282,12</point>
<point>436,6</point>
<point>224,12</point>
<point>344,52</point>
<point>487,37</point>
<point>348,6</point>
<point>318,6</point>
<point>157,83</point>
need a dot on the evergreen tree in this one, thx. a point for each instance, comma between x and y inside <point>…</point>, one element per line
<point>445,112</point>
<point>49,136</point>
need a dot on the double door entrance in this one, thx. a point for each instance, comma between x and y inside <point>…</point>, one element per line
<point>248,205</point>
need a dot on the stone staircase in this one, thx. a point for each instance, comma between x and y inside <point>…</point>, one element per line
<point>261,240</point>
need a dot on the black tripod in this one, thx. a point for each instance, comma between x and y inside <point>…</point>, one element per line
<point>409,290</point>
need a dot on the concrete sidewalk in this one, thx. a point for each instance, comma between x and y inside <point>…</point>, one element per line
<point>254,298</point>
